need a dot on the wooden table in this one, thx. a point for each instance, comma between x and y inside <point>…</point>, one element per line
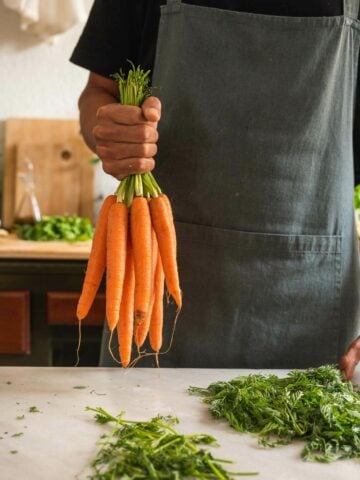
<point>60,441</point>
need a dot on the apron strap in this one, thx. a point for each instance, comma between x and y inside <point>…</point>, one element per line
<point>173,5</point>
<point>351,8</point>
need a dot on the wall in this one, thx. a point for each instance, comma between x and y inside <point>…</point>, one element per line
<point>37,80</point>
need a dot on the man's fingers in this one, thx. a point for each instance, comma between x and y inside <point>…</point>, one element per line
<point>349,361</point>
<point>119,151</point>
<point>150,111</point>
<point>151,108</point>
<point>347,365</point>
<point>126,137</point>
<point>122,168</point>
<point>122,114</point>
<point>142,133</point>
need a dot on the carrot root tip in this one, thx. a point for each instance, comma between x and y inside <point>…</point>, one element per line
<point>78,347</point>
<point>109,347</point>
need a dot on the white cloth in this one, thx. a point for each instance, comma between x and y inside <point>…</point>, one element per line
<point>48,18</point>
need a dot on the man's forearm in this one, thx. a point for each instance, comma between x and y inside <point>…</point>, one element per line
<point>90,101</point>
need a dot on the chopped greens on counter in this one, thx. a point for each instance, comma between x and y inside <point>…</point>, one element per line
<point>314,405</point>
<point>154,450</point>
<point>70,228</point>
<point>34,409</point>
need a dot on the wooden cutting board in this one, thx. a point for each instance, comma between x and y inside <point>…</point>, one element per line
<point>62,171</point>
<point>13,247</point>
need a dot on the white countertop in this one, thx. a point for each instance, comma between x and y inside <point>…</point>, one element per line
<point>59,442</point>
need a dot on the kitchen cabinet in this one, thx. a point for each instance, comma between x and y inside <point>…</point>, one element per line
<point>61,309</point>
<point>38,297</point>
<point>15,322</point>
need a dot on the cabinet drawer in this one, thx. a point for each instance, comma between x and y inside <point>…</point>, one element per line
<point>61,309</point>
<point>15,322</point>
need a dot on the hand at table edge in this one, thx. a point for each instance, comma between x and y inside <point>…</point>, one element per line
<point>350,359</point>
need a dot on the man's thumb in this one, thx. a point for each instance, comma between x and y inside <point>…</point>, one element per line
<point>152,109</point>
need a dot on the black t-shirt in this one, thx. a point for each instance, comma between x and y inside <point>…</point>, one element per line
<point>118,30</point>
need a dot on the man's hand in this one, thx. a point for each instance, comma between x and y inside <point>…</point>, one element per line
<point>126,136</point>
<point>350,359</point>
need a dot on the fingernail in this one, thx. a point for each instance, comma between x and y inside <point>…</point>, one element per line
<point>153,111</point>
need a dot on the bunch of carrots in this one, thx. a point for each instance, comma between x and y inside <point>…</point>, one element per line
<point>135,244</point>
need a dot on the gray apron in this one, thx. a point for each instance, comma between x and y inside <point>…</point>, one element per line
<point>256,155</point>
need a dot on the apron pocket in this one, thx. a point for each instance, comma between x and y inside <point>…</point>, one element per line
<point>256,300</point>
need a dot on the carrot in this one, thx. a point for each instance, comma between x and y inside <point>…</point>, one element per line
<point>116,261</point>
<point>97,261</point>
<point>126,317</point>
<point>167,201</point>
<point>163,223</point>
<point>173,233</point>
<point>141,242</point>
<point>156,322</point>
<point>141,331</point>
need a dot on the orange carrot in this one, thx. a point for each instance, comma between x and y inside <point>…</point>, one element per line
<point>141,242</point>
<point>116,261</point>
<point>142,330</point>
<point>163,224</point>
<point>167,201</point>
<point>156,322</point>
<point>126,317</point>
<point>97,261</point>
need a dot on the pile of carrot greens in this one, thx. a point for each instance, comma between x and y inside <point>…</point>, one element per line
<point>313,405</point>
<point>154,450</point>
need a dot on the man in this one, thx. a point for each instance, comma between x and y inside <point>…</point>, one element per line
<point>256,155</point>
